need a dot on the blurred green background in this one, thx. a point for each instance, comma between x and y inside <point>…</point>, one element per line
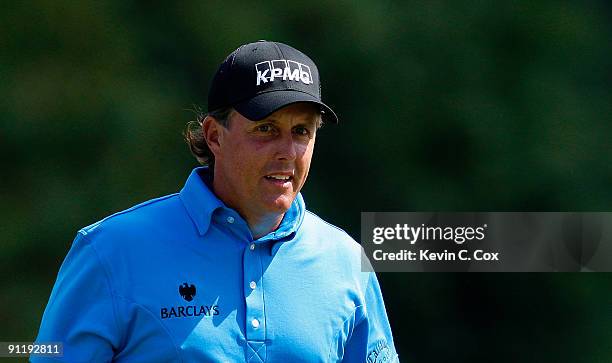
<point>444,106</point>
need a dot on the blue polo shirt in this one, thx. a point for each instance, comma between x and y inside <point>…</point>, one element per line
<point>181,279</point>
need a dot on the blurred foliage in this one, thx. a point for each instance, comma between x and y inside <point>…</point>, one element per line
<point>444,106</point>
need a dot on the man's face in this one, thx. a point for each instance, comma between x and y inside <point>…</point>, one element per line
<point>260,166</point>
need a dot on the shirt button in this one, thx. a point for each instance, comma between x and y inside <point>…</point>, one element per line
<point>230,219</point>
<point>253,285</point>
<point>255,323</point>
<point>252,246</point>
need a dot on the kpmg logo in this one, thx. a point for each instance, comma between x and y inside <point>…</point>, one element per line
<point>188,292</point>
<point>287,70</point>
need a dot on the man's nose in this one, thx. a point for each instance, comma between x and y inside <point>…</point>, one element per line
<point>286,147</point>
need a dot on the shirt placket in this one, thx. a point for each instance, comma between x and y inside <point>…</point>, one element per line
<point>255,327</point>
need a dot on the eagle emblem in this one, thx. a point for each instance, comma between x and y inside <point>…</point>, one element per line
<point>187,291</point>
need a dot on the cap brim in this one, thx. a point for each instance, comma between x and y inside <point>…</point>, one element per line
<point>264,104</point>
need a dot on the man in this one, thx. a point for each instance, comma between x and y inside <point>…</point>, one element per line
<point>233,268</point>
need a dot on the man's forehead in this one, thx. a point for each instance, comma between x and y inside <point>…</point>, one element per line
<point>307,118</point>
<point>306,113</point>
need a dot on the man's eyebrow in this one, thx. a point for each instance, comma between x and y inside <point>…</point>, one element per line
<point>276,122</point>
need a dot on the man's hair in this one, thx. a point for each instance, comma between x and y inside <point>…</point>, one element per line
<point>194,134</point>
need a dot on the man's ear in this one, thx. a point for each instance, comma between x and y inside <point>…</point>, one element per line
<point>213,133</point>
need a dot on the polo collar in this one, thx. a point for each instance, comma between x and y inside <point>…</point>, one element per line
<point>201,204</point>
<point>292,220</point>
<point>199,200</point>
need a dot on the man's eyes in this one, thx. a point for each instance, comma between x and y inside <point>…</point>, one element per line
<point>301,131</point>
<point>264,128</point>
<point>269,129</point>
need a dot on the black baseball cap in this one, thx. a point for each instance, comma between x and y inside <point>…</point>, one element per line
<point>259,78</point>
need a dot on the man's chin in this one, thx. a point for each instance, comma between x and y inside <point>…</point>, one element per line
<point>281,204</point>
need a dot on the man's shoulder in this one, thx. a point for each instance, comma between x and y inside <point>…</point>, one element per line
<point>338,249</point>
<point>312,220</point>
<point>329,232</point>
<point>141,219</point>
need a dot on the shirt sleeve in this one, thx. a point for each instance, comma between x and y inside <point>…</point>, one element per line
<point>371,340</point>
<point>80,313</point>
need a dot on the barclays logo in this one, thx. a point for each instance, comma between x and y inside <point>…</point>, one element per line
<point>187,291</point>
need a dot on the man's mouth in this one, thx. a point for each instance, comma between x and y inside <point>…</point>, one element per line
<point>276,177</point>
<point>280,180</point>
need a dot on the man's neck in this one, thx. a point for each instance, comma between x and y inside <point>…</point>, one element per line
<point>259,224</point>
